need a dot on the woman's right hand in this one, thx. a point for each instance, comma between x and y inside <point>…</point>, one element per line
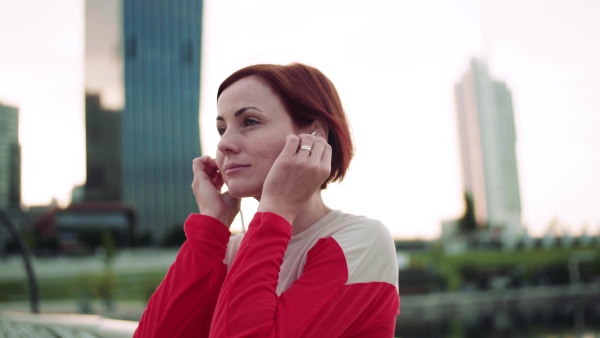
<point>296,175</point>
<point>207,186</point>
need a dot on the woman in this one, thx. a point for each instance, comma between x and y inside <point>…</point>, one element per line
<point>302,269</point>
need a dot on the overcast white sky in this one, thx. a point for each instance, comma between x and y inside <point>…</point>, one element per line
<point>394,64</point>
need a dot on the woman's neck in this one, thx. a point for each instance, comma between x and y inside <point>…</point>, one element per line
<point>314,210</point>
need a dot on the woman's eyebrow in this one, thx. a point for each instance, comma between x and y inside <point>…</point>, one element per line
<point>238,112</point>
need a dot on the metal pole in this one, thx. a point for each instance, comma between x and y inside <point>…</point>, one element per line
<point>33,286</point>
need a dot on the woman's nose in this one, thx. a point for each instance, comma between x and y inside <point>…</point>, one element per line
<point>228,143</point>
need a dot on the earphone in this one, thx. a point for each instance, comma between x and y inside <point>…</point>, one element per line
<point>242,218</point>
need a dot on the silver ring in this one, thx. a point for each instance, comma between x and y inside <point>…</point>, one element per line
<point>306,147</point>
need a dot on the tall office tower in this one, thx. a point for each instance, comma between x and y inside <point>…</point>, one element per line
<point>103,100</point>
<point>160,118</point>
<point>487,144</point>
<point>103,151</point>
<point>10,159</point>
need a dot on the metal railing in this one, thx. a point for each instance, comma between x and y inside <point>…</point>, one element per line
<point>31,278</point>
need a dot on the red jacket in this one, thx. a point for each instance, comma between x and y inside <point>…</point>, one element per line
<point>343,282</point>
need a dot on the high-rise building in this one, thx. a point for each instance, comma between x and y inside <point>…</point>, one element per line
<point>162,45</point>
<point>103,152</point>
<point>487,145</point>
<point>103,100</point>
<point>10,159</point>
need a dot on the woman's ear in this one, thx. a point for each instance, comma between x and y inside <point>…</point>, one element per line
<point>319,127</point>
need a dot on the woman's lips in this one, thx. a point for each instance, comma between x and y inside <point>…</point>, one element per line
<point>234,168</point>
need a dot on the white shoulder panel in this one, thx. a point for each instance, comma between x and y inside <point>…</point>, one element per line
<point>370,251</point>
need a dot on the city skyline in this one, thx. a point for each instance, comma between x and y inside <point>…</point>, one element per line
<point>395,72</point>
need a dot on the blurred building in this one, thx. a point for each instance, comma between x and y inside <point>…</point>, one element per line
<point>104,52</point>
<point>10,159</point>
<point>103,150</point>
<point>487,145</point>
<point>103,101</point>
<point>81,228</point>
<point>162,41</point>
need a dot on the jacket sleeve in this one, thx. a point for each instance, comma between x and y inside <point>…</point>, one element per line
<point>184,302</point>
<point>319,303</point>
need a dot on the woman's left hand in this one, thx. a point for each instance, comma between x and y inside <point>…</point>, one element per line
<point>296,175</point>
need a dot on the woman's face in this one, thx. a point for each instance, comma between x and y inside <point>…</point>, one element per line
<point>253,125</point>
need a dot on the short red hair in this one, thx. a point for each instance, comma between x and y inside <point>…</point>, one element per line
<point>308,95</point>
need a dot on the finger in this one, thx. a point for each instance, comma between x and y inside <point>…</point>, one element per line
<point>306,144</point>
<point>209,162</point>
<point>320,146</point>
<point>321,156</point>
<point>205,165</point>
<point>326,156</point>
<point>199,164</point>
<point>205,169</point>
<point>317,149</point>
<point>214,169</point>
<point>291,146</point>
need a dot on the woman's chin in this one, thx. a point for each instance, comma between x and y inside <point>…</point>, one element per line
<point>240,192</point>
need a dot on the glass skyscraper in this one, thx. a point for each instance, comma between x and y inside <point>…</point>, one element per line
<point>160,131</point>
<point>487,144</point>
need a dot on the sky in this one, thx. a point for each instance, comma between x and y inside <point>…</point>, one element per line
<point>394,64</point>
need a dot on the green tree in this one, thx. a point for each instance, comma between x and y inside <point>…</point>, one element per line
<point>467,223</point>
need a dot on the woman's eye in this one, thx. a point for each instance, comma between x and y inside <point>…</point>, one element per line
<point>250,122</point>
<point>221,130</point>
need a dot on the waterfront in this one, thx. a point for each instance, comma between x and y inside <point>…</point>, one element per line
<point>551,311</point>
<point>541,311</point>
